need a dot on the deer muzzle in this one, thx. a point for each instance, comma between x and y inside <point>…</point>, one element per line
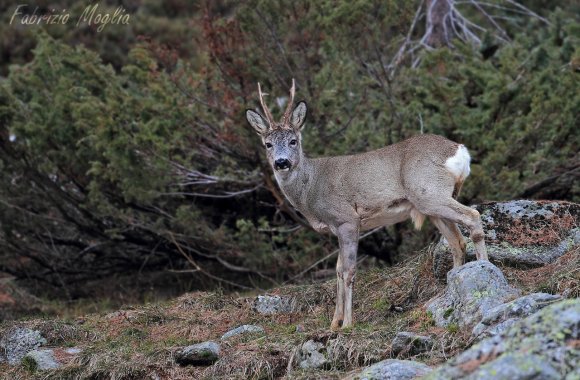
<point>282,164</point>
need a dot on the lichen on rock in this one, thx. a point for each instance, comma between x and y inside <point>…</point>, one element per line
<point>472,290</point>
<point>501,317</point>
<point>17,342</point>
<point>541,346</point>
<point>519,233</point>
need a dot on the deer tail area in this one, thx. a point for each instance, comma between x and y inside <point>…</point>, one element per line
<point>417,218</point>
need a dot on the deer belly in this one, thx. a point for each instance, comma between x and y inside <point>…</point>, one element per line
<point>318,226</point>
<point>385,216</point>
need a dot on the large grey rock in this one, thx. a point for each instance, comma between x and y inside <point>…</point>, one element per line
<point>543,345</point>
<point>501,317</point>
<point>574,375</point>
<point>200,354</point>
<point>42,359</point>
<point>244,329</point>
<point>312,355</point>
<point>410,343</point>
<point>472,290</point>
<point>393,369</point>
<point>519,233</point>
<point>272,305</point>
<point>17,342</point>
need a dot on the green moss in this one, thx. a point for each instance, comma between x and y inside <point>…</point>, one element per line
<point>29,364</point>
<point>453,328</point>
<point>482,294</point>
<point>381,305</point>
<point>448,313</point>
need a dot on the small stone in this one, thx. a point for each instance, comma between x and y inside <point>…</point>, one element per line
<point>19,341</point>
<point>394,369</point>
<point>42,359</point>
<point>201,354</point>
<point>300,328</point>
<point>411,343</point>
<point>272,305</point>
<point>244,329</point>
<point>312,355</point>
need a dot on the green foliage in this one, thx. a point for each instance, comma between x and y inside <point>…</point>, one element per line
<point>131,156</point>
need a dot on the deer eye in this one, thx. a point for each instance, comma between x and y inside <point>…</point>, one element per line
<point>293,142</point>
<point>268,145</point>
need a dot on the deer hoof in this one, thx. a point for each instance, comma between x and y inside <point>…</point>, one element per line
<point>336,324</point>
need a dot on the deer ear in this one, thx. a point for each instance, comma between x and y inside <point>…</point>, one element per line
<point>257,122</point>
<point>298,115</point>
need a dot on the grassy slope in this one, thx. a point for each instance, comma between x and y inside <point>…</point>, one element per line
<point>136,342</point>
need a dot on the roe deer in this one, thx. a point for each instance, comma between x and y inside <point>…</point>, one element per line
<point>416,178</point>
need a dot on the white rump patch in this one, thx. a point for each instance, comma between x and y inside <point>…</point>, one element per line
<point>458,164</point>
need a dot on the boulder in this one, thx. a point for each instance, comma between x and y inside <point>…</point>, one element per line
<point>501,317</point>
<point>519,233</point>
<point>410,343</point>
<point>312,355</point>
<point>201,354</point>
<point>472,291</point>
<point>543,345</point>
<point>272,305</point>
<point>244,329</point>
<point>17,342</point>
<point>393,369</point>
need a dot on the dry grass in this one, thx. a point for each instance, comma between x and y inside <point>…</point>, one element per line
<point>140,342</point>
<point>560,277</point>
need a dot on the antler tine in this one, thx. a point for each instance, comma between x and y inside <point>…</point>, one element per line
<point>290,102</point>
<point>267,113</point>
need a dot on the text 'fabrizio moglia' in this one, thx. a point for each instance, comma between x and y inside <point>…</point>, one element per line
<point>91,15</point>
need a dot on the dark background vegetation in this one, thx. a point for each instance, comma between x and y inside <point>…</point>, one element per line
<point>126,165</point>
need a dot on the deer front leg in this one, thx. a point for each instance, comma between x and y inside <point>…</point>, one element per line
<point>339,309</point>
<point>348,235</point>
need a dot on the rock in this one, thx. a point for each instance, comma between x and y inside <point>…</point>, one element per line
<point>543,345</point>
<point>411,343</point>
<point>393,369</point>
<point>244,329</point>
<point>312,355</point>
<point>272,305</point>
<point>17,342</point>
<point>503,316</point>
<point>519,233</point>
<point>50,358</point>
<point>472,290</point>
<point>201,354</point>
<point>574,375</point>
<point>41,359</point>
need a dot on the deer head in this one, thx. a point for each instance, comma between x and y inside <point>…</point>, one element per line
<point>281,139</point>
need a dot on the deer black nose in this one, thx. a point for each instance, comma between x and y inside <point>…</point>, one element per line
<point>281,164</point>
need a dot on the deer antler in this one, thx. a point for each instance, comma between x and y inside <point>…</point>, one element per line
<point>290,103</point>
<point>267,113</point>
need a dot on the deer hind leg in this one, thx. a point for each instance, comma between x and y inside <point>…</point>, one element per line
<point>455,212</point>
<point>453,236</point>
<point>348,235</point>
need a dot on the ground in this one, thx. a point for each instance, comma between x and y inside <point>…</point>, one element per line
<point>139,342</point>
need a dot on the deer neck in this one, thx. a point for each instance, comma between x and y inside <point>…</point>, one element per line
<point>296,183</point>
